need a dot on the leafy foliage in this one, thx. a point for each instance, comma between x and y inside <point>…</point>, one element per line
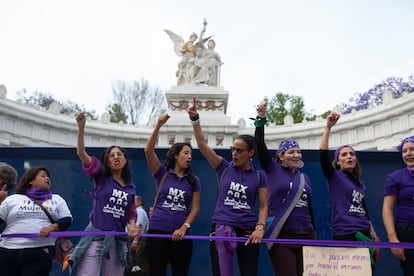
<point>116,114</point>
<point>44,101</point>
<point>281,105</point>
<point>373,97</point>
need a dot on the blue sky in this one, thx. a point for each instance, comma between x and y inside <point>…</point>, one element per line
<point>325,51</point>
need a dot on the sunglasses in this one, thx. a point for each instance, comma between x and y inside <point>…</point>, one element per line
<point>238,150</point>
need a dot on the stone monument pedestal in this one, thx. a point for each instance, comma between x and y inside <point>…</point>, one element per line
<point>211,102</point>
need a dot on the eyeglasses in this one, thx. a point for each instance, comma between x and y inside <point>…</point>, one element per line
<point>238,150</point>
<point>116,154</point>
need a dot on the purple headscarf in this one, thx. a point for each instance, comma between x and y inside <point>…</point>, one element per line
<point>288,144</point>
<point>406,140</point>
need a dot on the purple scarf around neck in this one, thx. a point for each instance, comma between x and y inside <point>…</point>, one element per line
<point>40,195</point>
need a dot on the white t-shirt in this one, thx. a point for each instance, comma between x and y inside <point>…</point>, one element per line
<point>22,215</point>
<point>142,218</point>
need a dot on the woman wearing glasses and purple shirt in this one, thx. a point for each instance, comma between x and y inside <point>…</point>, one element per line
<point>234,215</point>
<point>282,174</point>
<point>398,195</point>
<point>113,208</point>
<point>350,220</point>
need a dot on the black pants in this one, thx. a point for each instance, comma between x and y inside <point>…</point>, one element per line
<point>26,262</point>
<point>162,252</point>
<point>405,233</point>
<point>247,256</point>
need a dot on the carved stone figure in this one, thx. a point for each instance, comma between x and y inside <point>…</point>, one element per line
<point>198,65</point>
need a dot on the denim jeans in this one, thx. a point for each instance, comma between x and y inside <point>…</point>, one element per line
<point>27,261</point>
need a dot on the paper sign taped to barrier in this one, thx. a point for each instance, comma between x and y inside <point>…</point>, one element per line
<point>336,261</point>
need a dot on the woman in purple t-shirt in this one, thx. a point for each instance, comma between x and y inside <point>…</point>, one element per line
<point>113,208</point>
<point>176,208</point>
<point>283,174</point>
<point>350,220</point>
<point>398,194</point>
<point>239,186</point>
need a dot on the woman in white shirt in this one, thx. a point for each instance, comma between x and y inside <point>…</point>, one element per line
<point>21,213</point>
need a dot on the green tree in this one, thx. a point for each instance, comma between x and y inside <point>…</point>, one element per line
<point>281,105</point>
<point>117,114</point>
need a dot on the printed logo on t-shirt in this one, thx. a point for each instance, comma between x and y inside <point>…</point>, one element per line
<point>356,204</point>
<point>28,209</point>
<point>116,204</point>
<point>237,196</point>
<point>303,200</point>
<point>175,200</point>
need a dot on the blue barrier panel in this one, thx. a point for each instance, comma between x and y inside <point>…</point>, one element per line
<point>69,181</point>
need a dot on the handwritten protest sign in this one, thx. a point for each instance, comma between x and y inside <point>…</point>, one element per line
<point>336,261</point>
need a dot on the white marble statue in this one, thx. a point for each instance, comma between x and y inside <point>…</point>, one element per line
<point>198,64</point>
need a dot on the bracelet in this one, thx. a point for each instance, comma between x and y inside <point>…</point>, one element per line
<point>195,118</point>
<point>196,122</point>
<point>259,227</point>
<point>186,224</point>
<point>134,241</point>
<point>259,121</point>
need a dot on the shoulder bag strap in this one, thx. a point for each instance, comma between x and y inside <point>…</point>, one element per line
<point>159,188</point>
<point>44,210</point>
<point>284,211</point>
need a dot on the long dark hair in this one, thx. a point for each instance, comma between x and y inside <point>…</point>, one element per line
<point>170,160</point>
<point>27,178</point>
<point>126,172</point>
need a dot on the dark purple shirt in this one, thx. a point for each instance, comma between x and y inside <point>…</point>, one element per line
<point>280,181</point>
<point>174,201</point>
<point>237,195</point>
<point>346,195</point>
<point>401,183</point>
<point>113,204</point>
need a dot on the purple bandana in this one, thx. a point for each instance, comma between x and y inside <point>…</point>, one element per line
<point>288,144</point>
<point>406,140</point>
<point>40,195</point>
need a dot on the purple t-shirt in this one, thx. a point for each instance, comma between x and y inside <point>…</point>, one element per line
<point>348,213</point>
<point>174,201</point>
<point>346,195</point>
<point>237,195</point>
<point>279,184</point>
<point>113,204</point>
<point>401,183</point>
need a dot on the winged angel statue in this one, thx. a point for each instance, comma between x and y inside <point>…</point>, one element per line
<point>198,64</point>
